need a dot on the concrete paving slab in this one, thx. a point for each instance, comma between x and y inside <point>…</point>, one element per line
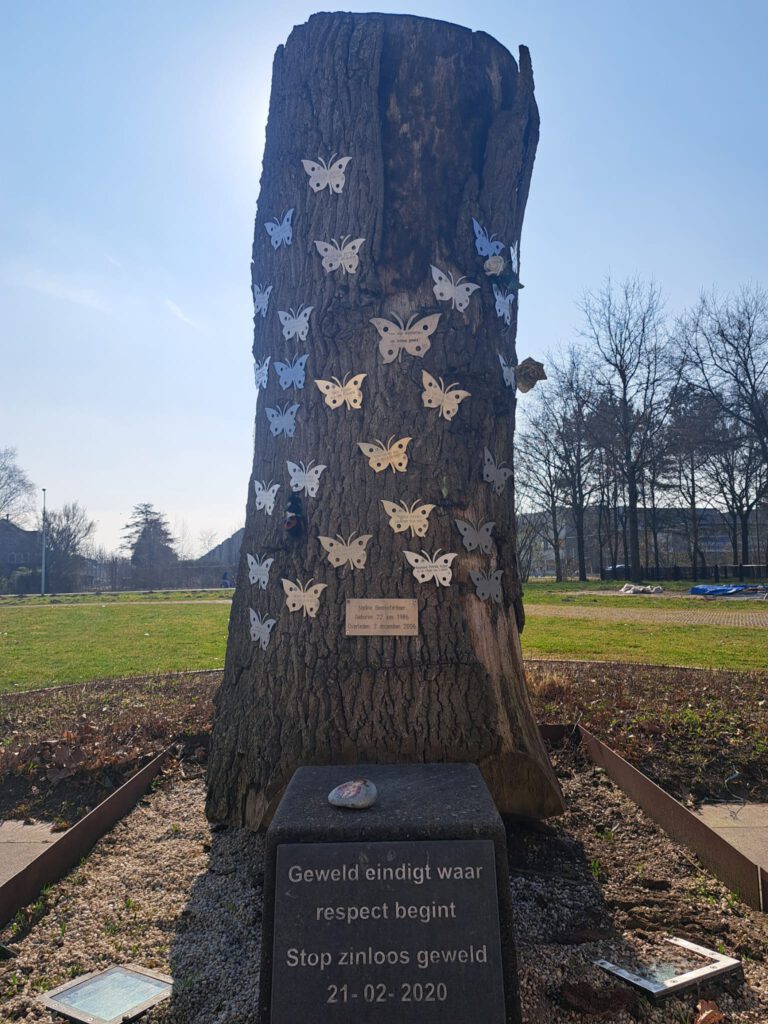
<point>20,844</point>
<point>744,826</point>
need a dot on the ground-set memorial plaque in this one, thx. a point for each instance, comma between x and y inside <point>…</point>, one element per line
<point>399,912</point>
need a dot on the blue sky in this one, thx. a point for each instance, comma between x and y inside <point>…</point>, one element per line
<point>132,140</point>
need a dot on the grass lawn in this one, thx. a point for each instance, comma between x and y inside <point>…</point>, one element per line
<point>722,647</point>
<point>49,644</point>
<point>74,638</point>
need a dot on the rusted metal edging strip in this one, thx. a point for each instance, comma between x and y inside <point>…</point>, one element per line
<point>69,849</point>
<point>732,867</point>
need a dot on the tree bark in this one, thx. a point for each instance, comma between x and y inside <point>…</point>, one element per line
<point>441,126</point>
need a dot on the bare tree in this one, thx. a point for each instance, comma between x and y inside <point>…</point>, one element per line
<point>570,399</point>
<point>67,530</point>
<point>626,325</point>
<point>739,477</point>
<point>538,477</point>
<point>16,489</point>
<point>725,350</point>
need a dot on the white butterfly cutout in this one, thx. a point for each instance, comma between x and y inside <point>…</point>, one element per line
<point>291,375</point>
<point>258,569</point>
<point>408,517</point>
<point>261,295</point>
<point>261,628</point>
<point>391,454</point>
<point>455,292</point>
<point>476,536</point>
<point>485,245</point>
<point>487,586</point>
<point>412,337</point>
<point>322,174</point>
<point>295,325</point>
<point>283,420</point>
<point>350,551</point>
<point>279,231</point>
<point>342,254</point>
<point>438,396</point>
<point>338,393</point>
<point>265,495</point>
<point>301,597</point>
<point>508,370</point>
<point>261,372</point>
<point>504,303</point>
<point>493,473</point>
<point>437,568</point>
<point>305,478</point>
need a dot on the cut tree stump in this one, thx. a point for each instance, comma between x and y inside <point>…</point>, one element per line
<point>440,126</point>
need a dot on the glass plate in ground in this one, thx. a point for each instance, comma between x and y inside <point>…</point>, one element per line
<point>118,994</point>
<point>676,966</point>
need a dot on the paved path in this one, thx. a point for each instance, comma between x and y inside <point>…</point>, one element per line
<point>708,614</point>
<point>20,844</point>
<point>744,826</point>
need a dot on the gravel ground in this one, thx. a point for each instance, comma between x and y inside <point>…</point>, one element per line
<point>165,890</point>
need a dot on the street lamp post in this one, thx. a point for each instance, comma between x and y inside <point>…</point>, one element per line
<point>42,574</point>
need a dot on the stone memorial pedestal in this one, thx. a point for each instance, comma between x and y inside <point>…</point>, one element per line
<point>396,913</point>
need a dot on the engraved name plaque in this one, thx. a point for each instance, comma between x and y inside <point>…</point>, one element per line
<point>389,931</point>
<point>382,617</point>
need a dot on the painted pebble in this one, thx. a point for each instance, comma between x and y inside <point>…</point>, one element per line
<point>357,795</point>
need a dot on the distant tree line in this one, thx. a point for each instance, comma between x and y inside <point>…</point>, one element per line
<point>150,556</point>
<point>642,414</point>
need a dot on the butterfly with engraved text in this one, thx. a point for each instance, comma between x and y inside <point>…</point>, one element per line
<point>486,245</point>
<point>295,325</point>
<point>261,295</point>
<point>347,392</point>
<point>258,570</point>
<point>301,597</point>
<point>283,420</point>
<point>261,628</point>
<point>392,454</point>
<point>487,586</point>
<point>280,231</point>
<point>413,517</point>
<point>413,337</point>
<point>291,375</point>
<point>305,478</point>
<point>343,254</point>
<point>438,396</point>
<point>326,175</point>
<point>495,473</point>
<point>437,568</point>
<point>448,290</point>
<point>346,552</point>
<point>476,536</point>
<point>265,495</point>
<point>261,372</point>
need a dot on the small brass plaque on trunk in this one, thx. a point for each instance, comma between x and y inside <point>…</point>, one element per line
<point>382,617</point>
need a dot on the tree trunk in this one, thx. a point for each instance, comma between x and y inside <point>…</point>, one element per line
<point>744,518</point>
<point>440,126</point>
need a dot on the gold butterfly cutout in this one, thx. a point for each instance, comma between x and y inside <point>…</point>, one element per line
<point>438,396</point>
<point>381,455</point>
<point>437,568</point>
<point>341,552</point>
<point>404,517</point>
<point>338,393</point>
<point>301,597</point>
<point>342,254</point>
<point>412,337</point>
